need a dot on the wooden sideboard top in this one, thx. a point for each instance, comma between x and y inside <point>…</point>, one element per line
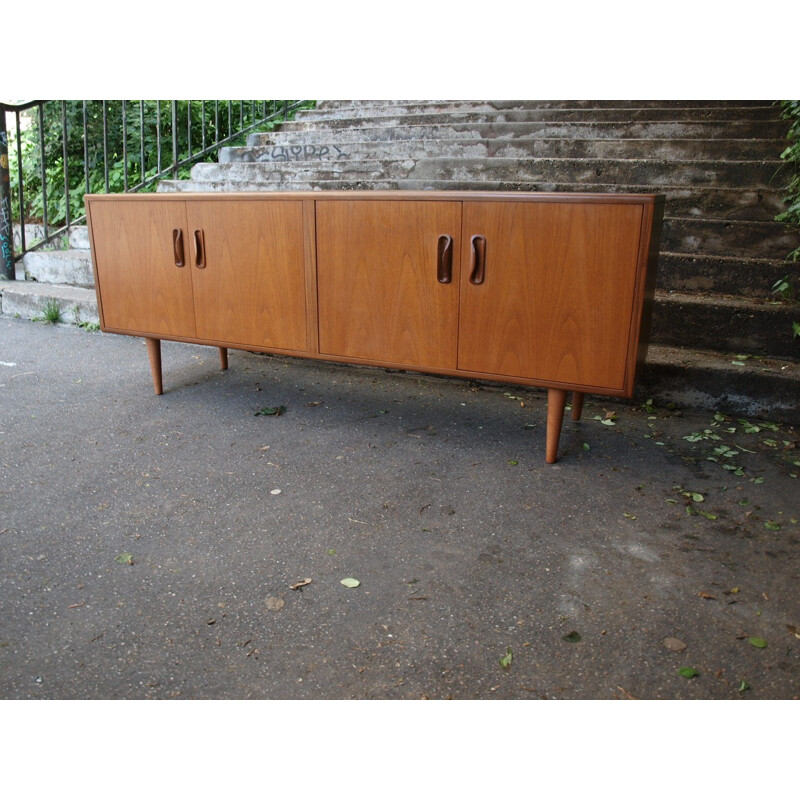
<point>398,194</point>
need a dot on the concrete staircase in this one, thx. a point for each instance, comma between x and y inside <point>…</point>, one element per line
<point>60,276</point>
<point>720,339</point>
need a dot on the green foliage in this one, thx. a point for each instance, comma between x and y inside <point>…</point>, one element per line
<point>790,109</point>
<point>783,288</point>
<point>122,159</point>
<point>51,311</point>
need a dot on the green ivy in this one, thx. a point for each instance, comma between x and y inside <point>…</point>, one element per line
<point>790,109</point>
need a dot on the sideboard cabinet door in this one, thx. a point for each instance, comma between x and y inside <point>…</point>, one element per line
<point>141,255</point>
<point>248,271</point>
<point>548,290</point>
<point>388,280</point>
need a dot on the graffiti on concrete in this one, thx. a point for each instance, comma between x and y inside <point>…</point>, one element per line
<point>304,152</point>
<point>5,208</point>
<point>5,236</point>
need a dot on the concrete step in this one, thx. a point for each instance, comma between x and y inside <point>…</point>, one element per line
<point>72,267</point>
<point>697,272</point>
<point>701,379</point>
<point>382,106</point>
<point>684,201</point>
<point>651,172</point>
<point>296,148</point>
<point>734,238</point>
<point>79,237</point>
<point>422,113</point>
<point>724,323</point>
<point>399,129</point>
<point>27,299</point>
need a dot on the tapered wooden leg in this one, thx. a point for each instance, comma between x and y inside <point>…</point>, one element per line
<point>154,353</point>
<point>577,405</point>
<point>556,400</point>
<point>223,357</point>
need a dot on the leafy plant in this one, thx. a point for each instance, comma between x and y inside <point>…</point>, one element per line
<point>51,311</point>
<point>790,109</point>
<point>783,288</point>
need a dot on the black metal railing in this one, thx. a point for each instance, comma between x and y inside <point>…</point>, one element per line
<point>58,150</point>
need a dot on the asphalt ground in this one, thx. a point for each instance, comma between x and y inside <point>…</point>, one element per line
<point>188,546</point>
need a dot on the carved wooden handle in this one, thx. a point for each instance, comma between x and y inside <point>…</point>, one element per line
<point>200,250</point>
<point>177,247</point>
<point>444,260</point>
<point>478,273</point>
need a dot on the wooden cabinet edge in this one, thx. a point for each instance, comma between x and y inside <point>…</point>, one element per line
<point>360,194</point>
<point>647,270</point>
<point>88,199</point>
<point>310,255</point>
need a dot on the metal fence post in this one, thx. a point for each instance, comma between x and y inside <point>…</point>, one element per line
<point>7,270</point>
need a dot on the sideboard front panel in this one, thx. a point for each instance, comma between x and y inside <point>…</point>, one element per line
<point>378,270</point>
<point>557,294</point>
<point>144,283</point>
<point>251,288</point>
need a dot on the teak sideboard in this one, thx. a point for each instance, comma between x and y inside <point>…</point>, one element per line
<point>548,290</point>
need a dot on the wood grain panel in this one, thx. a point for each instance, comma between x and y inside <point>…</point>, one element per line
<point>557,299</point>
<point>252,289</point>
<point>138,284</point>
<point>379,297</point>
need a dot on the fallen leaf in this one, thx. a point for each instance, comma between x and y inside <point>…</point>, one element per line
<point>124,558</point>
<point>675,645</point>
<point>270,411</point>
<point>505,661</point>
<point>572,637</point>
<point>688,672</point>
<point>350,583</point>
<point>275,603</point>
<point>300,584</point>
<point>743,686</point>
<point>756,642</point>
<point>706,596</point>
<point>772,526</point>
